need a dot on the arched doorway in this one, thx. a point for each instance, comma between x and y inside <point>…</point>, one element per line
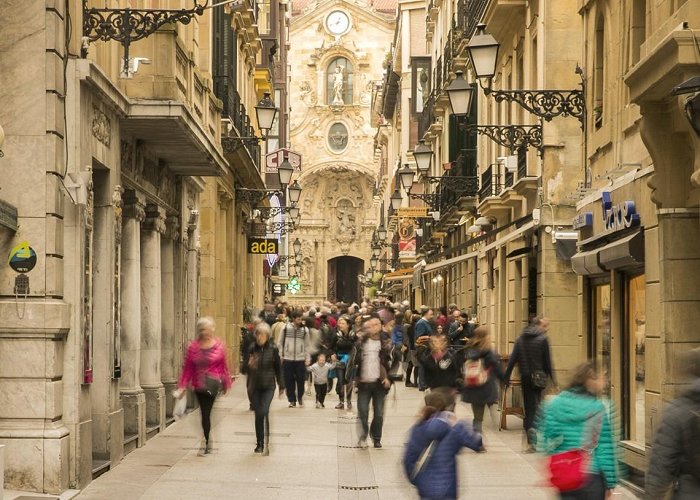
<point>343,284</point>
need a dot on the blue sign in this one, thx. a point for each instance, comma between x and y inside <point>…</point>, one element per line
<point>583,220</point>
<point>620,216</point>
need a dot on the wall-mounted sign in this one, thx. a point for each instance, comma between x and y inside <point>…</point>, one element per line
<point>582,220</point>
<point>412,212</point>
<point>262,245</point>
<point>22,258</point>
<point>407,238</point>
<point>620,216</point>
<point>258,229</point>
<point>277,289</point>
<point>274,159</point>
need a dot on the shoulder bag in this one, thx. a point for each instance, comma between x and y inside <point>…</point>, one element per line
<point>568,471</point>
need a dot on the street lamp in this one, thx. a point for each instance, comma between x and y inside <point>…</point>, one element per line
<point>374,262</point>
<point>294,192</point>
<point>406,175</point>
<point>460,92</point>
<point>376,250</point>
<point>381,232</point>
<point>483,52</point>
<point>423,156</point>
<point>265,112</point>
<point>294,213</point>
<point>284,172</point>
<point>369,275</point>
<point>396,199</point>
<point>296,246</point>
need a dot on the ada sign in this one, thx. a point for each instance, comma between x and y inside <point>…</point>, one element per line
<point>262,245</point>
<point>274,159</point>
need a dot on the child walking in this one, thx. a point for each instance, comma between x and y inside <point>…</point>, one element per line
<point>319,371</point>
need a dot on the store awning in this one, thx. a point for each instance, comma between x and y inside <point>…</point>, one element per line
<point>625,252</point>
<point>587,263</point>
<point>400,275</point>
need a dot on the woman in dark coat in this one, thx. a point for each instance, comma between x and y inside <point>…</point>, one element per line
<point>486,393</point>
<point>264,373</point>
<point>343,342</point>
<point>441,365</point>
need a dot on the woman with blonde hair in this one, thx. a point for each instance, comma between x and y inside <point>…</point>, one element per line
<point>206,370</point>
<point>481,373</point>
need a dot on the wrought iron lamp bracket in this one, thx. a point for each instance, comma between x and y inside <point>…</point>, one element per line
<point>512,137</point>
<point>255,196</point>
<point>545,104</point>
<point>428,198</point>
<point>130,25</point>
<point>273,211</point>
<point>232,144</point>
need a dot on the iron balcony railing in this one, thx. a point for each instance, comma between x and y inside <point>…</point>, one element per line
<point>458,182</point>
<point>469,14</point>
<point>235,111</point>
<point>491,183</point>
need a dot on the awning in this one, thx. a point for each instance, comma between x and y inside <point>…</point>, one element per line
<point>587,263</point>
<point>625,252</point>
<point>449,262</point>
<point>400,275</point>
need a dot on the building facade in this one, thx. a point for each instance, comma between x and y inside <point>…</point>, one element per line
<point>109,165</point>
<point>337,55</point>
<point>589,217</point>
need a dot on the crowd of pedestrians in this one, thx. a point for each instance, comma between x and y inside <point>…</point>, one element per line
<point>363,350</point>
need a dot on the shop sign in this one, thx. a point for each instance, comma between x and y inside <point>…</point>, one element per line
<point>277,289</point>
<point>294,286</point>
<point>262,245</point>
<point>407,238</point>
<point>412,212</point>
<point>258,229</point>
<point>582,220</point>
<point>274,159</point>
<point>619,216</point>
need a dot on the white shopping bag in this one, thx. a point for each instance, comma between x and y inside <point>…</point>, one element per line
<point>180,408</point>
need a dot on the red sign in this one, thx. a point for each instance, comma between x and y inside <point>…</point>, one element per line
<point>274,159</point>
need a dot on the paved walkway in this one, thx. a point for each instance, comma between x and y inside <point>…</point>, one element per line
<point>312,455</point>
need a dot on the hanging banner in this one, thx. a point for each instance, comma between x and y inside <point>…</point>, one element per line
<point>407,238</point>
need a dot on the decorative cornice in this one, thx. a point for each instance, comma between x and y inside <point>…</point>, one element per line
<point>155,219</point>
<point>134,205</point>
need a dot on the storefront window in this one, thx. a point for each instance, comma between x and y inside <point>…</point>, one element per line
<point>601,341</point>
<point>636,325</point>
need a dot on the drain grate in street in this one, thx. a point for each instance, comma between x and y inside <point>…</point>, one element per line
<point>358,488</point>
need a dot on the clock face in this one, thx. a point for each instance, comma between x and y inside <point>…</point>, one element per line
<point>337,22</point>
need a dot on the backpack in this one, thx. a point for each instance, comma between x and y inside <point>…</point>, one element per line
<point>475,373</point>
<point>395,369</point>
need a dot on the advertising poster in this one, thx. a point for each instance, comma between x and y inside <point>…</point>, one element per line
<point>407,238</point>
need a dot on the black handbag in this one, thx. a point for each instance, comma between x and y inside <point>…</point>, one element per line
<point>212,385</point>
<point>538,378</point>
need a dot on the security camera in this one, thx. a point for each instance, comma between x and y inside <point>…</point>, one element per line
<point>133,66</point>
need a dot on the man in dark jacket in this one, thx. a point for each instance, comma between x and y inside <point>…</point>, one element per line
<point>370,358</point>
<point>675,456</point>
<point>531,353</point>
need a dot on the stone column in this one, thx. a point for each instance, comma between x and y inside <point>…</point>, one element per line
<point>167,312</point>
<point>133,399</point>
<point>150,373</point>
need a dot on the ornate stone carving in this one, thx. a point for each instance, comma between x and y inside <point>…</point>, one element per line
<point>155,219</point>
<point>101,126</point>
<point>307,94</point>
<point>345,224</point>
<point>127,157</point>
<point>172,227</point>
<point>134,205</point>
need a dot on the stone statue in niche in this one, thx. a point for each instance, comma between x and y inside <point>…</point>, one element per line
<point>345,224</point>
<point>338,85</point>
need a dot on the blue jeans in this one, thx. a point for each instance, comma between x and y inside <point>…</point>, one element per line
<point>261,399</point>
<point>375,392</point>
<point>294,379</point>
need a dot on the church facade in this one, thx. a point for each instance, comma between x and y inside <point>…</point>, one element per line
<point>337,58</point>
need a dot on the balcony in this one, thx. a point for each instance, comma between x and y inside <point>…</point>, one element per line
<point>173,109</point>
<point>458,188</point>
<point>469,14</point>
<point>427,116</point>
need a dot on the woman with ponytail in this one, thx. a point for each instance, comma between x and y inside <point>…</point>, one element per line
<point>430,457</point>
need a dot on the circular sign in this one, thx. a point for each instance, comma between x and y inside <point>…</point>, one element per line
<point>22,258</point>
